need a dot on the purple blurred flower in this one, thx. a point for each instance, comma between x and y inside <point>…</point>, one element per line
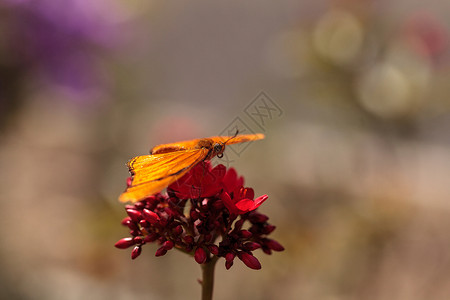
<point>62,40</point>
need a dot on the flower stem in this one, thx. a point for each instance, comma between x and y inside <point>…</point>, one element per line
<point>208,278</point>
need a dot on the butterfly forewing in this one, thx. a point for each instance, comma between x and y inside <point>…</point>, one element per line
<point>152,173</point>
<point>193,144</point>
<point>228,140</point>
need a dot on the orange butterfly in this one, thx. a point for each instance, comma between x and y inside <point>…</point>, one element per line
<point>169,162</point>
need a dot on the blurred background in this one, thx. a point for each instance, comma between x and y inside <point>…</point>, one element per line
<point>354,99</point>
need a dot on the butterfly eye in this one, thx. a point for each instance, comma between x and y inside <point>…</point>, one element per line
<point>218,148</point>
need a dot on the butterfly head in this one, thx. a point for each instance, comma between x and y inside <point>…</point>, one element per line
<point>218,149</point>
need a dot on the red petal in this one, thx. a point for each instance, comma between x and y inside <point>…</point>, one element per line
<point>230,180</point>
<point>260,200</point>
<point>211,189</point>
<point>195,191</point>
<point>245,205</point>
<point>229,204</point>
<point>249,193</point>
<point>219,172</point>
<point>240,181</point>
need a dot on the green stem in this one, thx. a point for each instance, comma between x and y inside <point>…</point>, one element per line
<point>208,278</point>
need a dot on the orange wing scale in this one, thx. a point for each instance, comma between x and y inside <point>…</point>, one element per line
<point>169,162</point>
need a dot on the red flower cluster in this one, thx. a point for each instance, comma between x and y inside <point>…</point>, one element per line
<point>203,206</point>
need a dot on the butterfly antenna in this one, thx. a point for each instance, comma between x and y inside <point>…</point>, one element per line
<point>235,135</point>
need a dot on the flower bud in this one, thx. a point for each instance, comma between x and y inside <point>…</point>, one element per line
<point>266,250</point>
<point>135,232</point>
<point>171,212</point>
<point>274,245</point>
<point>163,222</point>
<point>161,251</point>
<point>188,239</point>
<point>133,226</point>
<point>139,205</point>
<point>251,246</point>
<point>138,240</point>
<point>136,252</point>
<point>268,229</point>
<point>200,255</point>
<point>150,216</point>
<point>178,230</point>
<point>168,245</point>
<point>249,260</point>
<point>126,221</point>
<point>228,264</point>
<point>134,215</point>
<point>125,243</point>
<point>151,237</point>
<point>194,214</point>
<point>238,224</point>
<point>245,234</point>
<point>213,249</point>
<point>144,223</point>
<point>129,206</point>
<point>230,256</point>
<point>208,237</point>
<point>218,204</point>
<point>150,199</point>
<point>258,218</point>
